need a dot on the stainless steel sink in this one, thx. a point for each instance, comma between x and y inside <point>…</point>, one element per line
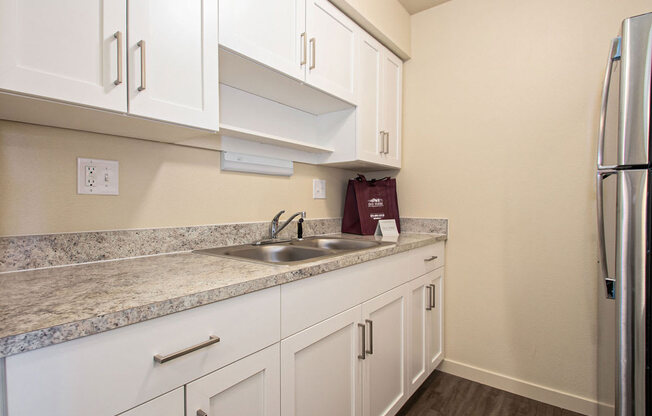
<point>336,243</point>
<point>293,252</point>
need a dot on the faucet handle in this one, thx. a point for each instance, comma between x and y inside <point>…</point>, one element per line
<point>303,215</point>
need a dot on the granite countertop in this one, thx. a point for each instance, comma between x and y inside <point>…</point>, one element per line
<point>48,306</point>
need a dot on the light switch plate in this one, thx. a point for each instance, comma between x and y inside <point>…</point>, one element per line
<point>97,176</point>
<point>319,188</point>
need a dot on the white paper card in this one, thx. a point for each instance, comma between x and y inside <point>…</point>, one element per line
<point>387,228</point>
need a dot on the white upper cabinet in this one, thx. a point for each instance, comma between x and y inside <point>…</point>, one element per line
<point>331,49</point>
<point>270,32</point>
<point>391,93</point>
<point>370,138</point>
<point>173,61</point>
<point>71,50</point>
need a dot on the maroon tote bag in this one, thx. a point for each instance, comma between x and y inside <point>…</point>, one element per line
<point>367,202</point>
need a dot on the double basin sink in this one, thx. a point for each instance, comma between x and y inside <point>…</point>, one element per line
<point>294,251</point>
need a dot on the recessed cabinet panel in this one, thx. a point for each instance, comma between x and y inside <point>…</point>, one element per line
<point>391,101</point>
<point>269,32</point>
<point>331,46</point>
<point>384,382</point>
<point>70,50</point>
<point>370,139</point>
<point>435,320</point>
<point>419,309</point>
<point>249,387</point>
<point>173,61</point>
<point>320,368</point>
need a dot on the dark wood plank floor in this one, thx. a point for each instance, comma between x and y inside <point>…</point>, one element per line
<point>448,395</point>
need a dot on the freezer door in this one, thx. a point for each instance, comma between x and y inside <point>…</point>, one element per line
<point>607,198</point>
<point>631,291</point>
<point>609,110</point>
<point>635,79</point>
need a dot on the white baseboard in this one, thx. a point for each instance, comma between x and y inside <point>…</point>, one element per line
<point>523,388</point>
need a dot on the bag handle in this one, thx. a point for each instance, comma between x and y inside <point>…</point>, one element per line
<point>362,178</point>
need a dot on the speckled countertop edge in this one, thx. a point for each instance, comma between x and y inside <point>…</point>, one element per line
<point>267,276</point>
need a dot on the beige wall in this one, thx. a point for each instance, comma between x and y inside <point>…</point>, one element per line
<point>387,20</point>
<point>160,185</point>
<point>500,118</point>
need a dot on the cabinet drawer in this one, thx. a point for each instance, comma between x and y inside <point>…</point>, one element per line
<point>432,258</point>
<point>111,372</point>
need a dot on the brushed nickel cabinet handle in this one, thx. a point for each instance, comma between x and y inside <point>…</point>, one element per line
<point>143,65</point>
<point>387,142</point>
<point>364,342</point>
<point>313,47</point>
<point>165,358</point>
<point>371,336</point>
<point>201,413</point>
<point>433,302</point>
<point>303,49</point>
<point>382,142</point>
<point>429,302</point>
<point>431,258</point>
<point>118,36</point>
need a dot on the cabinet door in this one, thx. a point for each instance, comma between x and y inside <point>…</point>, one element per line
<point>169,404</point>
<point>173,61</point>
<point>384,375</point>
<point>419,311</point>
<point>392,107</point>
<point>370,140</point>
<point>65,50</point>
<point>270,32</point>
<point>247,387</point>
<point>331,50</point>
<point>435,319</point>
<point>320,368</point>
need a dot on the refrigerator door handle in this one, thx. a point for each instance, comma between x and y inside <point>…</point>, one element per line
<point>613,56</point>
<point>610,283</point>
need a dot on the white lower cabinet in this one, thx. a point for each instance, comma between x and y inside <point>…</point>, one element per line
<point>320,368</point>
<point>384,367</point>
<point>249,387</point>
<point>358,342</point>
<point>435,328</point>
<point>169,404</point>
<point>419,311</point>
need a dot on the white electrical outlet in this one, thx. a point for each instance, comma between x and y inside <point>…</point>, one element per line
<point>96,176</point>
<point>319,188</point>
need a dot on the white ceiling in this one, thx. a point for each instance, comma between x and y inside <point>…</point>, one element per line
<point>415,6</point>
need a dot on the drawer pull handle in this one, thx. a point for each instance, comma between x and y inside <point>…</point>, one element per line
<point>143,65</point>
<point>165,358</point>
<point>371,336</point>
<point>431,258</point>
<point>118,36</point>
<point>364,342</point>
<point>429,302</point>
<point>201,413</point>
<point>433,302</point>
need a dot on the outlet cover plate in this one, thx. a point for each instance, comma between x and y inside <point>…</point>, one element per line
<point>97,176</point>
<point>319,188</point>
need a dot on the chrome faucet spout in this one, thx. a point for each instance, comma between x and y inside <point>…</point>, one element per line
<point>275,228</point>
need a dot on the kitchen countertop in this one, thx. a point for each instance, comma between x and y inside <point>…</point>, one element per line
<point>53,305</point>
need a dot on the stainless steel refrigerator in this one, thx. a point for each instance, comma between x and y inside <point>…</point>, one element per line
<point>624,224</point>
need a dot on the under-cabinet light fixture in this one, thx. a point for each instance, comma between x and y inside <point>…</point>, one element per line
<point>240,162</point>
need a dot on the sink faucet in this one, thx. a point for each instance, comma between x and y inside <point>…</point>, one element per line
<point>274,227</point>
